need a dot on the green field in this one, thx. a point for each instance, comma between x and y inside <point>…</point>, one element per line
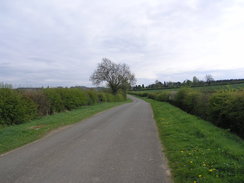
<point>198,152</point>
<point>200,88</point>
<point>15,136</point>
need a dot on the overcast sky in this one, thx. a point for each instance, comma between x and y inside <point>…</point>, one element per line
<point>60,42</point>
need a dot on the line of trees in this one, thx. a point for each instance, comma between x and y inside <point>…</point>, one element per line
<point>195,82</point>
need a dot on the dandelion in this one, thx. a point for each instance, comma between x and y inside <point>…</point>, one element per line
<point>211,170</point>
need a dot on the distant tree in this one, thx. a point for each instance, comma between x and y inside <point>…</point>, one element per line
<point>187,82</point>
<point>209,78</point>
<point>158,84</point>
<point>195,80</point>
<point>116,76</point>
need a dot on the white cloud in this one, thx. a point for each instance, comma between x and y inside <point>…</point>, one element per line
<point>59,42</point>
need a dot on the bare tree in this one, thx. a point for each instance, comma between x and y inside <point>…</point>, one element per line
<point>117,76</point>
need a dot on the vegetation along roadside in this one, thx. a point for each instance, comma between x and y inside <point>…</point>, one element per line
<point>15,136</point>
<point>197,150</point>
<point>224,108</point>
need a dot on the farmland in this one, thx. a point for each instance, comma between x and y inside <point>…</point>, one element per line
<point>210,88</point>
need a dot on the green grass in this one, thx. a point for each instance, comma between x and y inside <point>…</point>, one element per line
<point>15,136</point>
<point>197,150</point>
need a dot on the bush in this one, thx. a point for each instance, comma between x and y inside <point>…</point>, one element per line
<point>180,97</point>
<point>110,97</point>
<point>101,97</point>
<point>19,106</point>
<point>119,97</point>
<point>226,109</point>
<point>40,99</point>
<point>163,96</point>
<point>93,97</point>
<point>15,108</point>
<point>152,96</point>
<point>55,100</point>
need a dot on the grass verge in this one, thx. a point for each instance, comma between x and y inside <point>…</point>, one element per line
<point>15,136</point>
<point>197,150</point>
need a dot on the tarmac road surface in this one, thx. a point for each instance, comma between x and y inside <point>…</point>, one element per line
<point>120,145</point>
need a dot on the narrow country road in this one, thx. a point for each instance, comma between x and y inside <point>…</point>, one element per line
<point>120,145</point>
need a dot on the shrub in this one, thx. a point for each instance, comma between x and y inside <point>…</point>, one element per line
<point>119,97</point>
<point>110,97</point>
<point>93,97</point>
<point>72,97</point>
<point>40,99</point>
<point>20,106</point>
<point>55,100</point>
<point>101,97</point>
<point>15,108</point>
<point>180,97</point>
<point>152,96</point>
<point>226,109</point>
<point>223,108</point>
<point>163,96</point>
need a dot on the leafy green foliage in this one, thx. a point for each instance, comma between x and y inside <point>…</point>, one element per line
<point>15,108</point>
<point>21,106</point>
<point>55,100</point>
<point>224,108</point>
<point>40,99</point>
<point>227,110</point>
<point>197,150</point>
<point>17,135</point>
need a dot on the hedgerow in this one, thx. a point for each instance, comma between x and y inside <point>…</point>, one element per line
<point>15,108</point>
<point>224,108</point>
<point>21,106</point>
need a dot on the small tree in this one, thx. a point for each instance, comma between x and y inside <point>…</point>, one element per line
<point>117,76</point>
<point>195,80</point>
<point>209,78</point>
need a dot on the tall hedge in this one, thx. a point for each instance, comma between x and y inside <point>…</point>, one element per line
<point>224,108</point>
<point>21,106</point>
<point>15,108</point>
